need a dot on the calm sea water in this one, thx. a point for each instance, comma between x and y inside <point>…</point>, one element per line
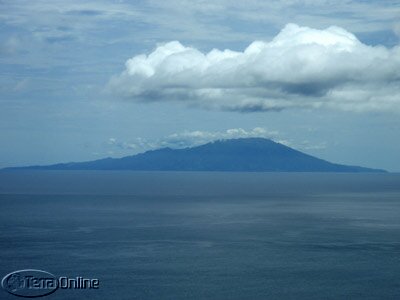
<point>171,235</point>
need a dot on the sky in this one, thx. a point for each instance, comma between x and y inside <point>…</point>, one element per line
<point>83,80</point>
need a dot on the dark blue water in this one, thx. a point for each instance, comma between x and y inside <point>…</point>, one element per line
<point>168,235</point>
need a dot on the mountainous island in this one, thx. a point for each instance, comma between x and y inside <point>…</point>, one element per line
<point>234,155</point>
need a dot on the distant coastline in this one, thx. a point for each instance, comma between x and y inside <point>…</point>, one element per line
<point>233,155</point>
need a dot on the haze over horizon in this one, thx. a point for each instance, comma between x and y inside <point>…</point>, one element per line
<point>86,80</point>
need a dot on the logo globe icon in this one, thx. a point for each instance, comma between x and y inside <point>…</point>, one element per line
<point>15,282</point>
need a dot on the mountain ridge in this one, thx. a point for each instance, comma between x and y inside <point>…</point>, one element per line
<point>232,155</point>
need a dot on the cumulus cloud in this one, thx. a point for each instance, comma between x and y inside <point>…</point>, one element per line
<point>301,67</point>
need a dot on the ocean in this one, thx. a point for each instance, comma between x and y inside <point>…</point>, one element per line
<point>205,235</point>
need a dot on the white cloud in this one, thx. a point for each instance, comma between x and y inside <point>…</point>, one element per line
<point>195,138</point>
<point>300,68</point>
<point>121,145</point>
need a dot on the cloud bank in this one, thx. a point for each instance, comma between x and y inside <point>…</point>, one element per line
<point>198,137</point>
<point>185,139</point>
<point>191,138</point>
<point>301,67</point>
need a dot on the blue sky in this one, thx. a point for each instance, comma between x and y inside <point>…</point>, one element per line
<point>82,80</point>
